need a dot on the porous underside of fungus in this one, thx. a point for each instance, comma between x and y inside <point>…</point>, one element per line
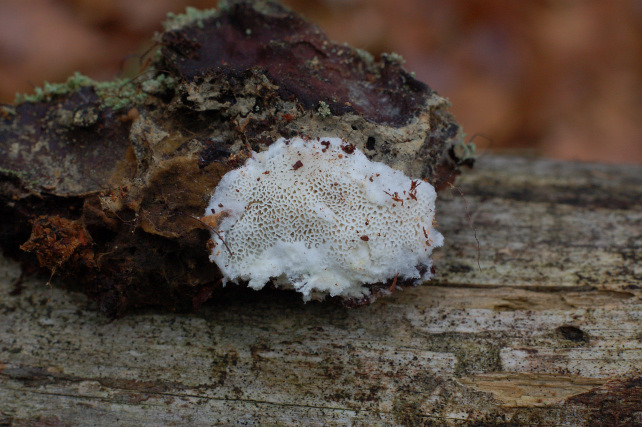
<point>320,217</point>
<point>104,183</point>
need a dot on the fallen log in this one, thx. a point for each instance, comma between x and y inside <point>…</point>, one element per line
<point>547,332</point>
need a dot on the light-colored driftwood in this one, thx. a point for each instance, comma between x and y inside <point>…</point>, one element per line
<point>548,332</point>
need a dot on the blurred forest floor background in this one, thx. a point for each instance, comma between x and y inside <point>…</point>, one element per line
<point>549,78</point>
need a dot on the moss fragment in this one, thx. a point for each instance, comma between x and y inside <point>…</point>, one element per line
<point>50,90</point>
<point>115,94</point>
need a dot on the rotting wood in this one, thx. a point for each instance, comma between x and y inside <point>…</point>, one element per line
<point>547,333</point>
<point>101,182</point>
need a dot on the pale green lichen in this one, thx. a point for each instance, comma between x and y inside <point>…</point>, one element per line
<point>159,84</point>
<point>265,7</point>
<point>465,150</point>
<point>324,110</point>
<point>7,110</point>
<point>191,15</point>
<point>393,58</point>
<point>115,94</point>
<point>312,63</point>
<point>365,56</point>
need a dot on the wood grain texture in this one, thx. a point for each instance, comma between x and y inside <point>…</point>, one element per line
<point>548,332</point>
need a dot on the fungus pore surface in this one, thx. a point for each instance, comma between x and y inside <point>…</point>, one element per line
<point>318,216</point>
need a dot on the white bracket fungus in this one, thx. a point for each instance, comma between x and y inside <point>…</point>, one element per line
<point>318,216</point>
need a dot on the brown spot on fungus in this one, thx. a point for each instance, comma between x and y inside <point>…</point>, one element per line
<point>348,148</point>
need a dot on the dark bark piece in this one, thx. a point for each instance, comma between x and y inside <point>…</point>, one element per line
<point>106,185</point>
<point>68,146</point>
<point>618,402</point>
<point>300,60</point>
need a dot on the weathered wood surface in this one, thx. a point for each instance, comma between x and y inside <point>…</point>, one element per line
<point>548,332</point>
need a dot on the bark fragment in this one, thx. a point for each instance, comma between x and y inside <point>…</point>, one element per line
<point>107,183</point>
